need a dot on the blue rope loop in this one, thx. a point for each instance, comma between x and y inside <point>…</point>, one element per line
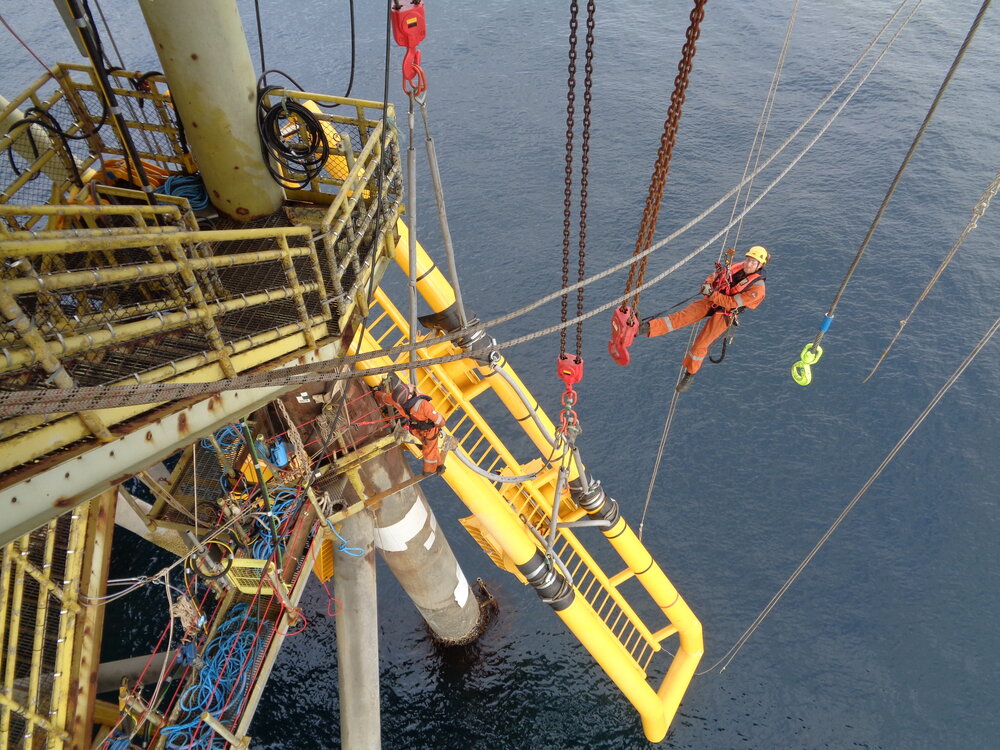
<point>222,683</point>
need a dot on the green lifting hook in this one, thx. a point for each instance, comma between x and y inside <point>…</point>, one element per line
<point>801,370</point>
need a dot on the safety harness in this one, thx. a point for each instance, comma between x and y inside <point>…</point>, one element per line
<point>732,284</point>
<point>407,406</point>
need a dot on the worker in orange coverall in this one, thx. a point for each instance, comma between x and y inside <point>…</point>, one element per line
<point>421,418</point>
<point>726,293</point>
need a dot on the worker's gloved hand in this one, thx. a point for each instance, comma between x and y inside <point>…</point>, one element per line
<point>706,289</point>
<point>643,329</point>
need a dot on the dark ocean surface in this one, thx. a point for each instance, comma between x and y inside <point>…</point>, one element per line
<point>889,638</point>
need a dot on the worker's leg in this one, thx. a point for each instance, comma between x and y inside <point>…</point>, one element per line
<point>714,327</point>
<point>690,314</point>
<point>429,446</point>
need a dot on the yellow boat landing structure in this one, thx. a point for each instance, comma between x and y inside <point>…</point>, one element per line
<point>512,519</point>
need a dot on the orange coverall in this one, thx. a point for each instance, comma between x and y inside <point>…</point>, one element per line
<point>714,307</point>
<point>421,410</point>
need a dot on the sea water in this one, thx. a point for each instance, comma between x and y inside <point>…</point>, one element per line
<point>887,639</point>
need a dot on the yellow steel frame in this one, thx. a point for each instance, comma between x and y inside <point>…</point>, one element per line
<point>188,305</point>
<point>356,234</point>
<point>40,651</point>
<point>512,521</point>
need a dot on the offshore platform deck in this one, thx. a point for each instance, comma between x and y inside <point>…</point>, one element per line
<point>108,290</point>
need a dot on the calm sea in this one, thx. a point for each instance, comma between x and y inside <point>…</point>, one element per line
<point>888,639</point>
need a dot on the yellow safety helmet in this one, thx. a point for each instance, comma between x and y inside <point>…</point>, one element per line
<point>758,253</point>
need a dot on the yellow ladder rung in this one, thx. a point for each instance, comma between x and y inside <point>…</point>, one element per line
<point>663,633</point>
<point>619,578</point>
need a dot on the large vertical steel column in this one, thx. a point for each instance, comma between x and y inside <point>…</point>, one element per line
<point>204,54</point>
<point>418,554</point>
<point>357,637</point>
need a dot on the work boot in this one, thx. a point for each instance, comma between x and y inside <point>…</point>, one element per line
<point>685,382</point>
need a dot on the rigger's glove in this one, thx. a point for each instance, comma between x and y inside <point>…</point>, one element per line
<point>706,289</point>
<point>643,329</point>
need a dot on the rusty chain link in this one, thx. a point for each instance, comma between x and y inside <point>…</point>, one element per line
<point>584,168</point>
<point>647,228</point>
<point>584,172</point>
<point>574,9</point>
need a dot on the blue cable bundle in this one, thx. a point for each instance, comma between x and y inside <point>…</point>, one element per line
<point>285,501</point>
<point>229,439</point>
<point>222,682</point>
<point>188,186</point>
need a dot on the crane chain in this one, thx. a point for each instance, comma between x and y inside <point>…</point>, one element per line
<point>574,9</point>
<point>585,171</point>
<point>647,228</point>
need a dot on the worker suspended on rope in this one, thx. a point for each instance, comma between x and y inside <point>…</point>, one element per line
<point>724,295</point>
<point>418,415</point>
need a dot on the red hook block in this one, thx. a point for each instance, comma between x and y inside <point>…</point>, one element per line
<point>409,27</point>
<point>624,326</point>
<point>569,369</point>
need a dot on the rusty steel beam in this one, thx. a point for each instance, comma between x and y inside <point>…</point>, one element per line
<point>32,501</point>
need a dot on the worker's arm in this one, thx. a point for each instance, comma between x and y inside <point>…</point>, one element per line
<point>750,297</point>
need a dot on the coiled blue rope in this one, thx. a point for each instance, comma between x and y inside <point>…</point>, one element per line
<point>189,186</point>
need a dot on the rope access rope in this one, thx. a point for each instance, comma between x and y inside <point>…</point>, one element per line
<point>32,402</point>
<point>731,653</point>
<point>762,123</point>
<point>977,213</point>
<point>663,444</point>
<point>801,370</point>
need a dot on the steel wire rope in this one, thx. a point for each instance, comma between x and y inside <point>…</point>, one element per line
<point>449,249</point>
<point>28,402</point>
<point>899,173</point>
<point>23,43</point>
<point>411,221</point>
<point>977,213</point>
<point>756,147</point>
<point>735,648</point>
<point>376,233</point>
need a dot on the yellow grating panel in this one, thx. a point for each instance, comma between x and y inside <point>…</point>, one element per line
<point>248,576</point>
<point>38,616</point>
<point>323,567</point>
